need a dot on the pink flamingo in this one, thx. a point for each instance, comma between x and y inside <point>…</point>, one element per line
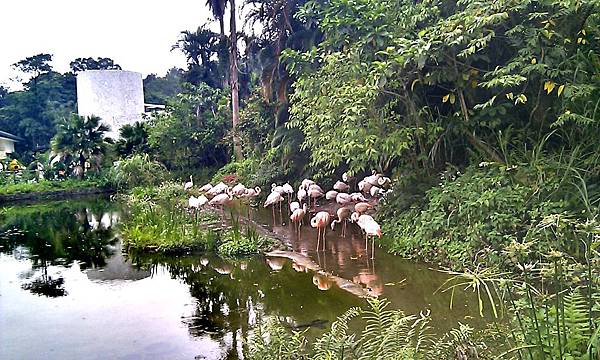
<point>315,192</point>
<point>298,215</point>
<point>362,207</point>
<point>343,199</point>
<point>343,214</point>
<point>273,199</point>
<point>320,221</point>
<point>222,200</point>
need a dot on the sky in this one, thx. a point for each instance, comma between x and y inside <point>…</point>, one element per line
<point>136,34</point>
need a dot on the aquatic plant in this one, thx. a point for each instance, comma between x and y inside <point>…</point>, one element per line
<point>385,334</point>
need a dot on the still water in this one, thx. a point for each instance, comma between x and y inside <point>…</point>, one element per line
<point>67,291</point>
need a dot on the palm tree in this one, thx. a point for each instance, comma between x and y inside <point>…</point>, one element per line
<point>218,9</point>
<point>235,84</point>
<point>82,138</point>
<point>133,139</point>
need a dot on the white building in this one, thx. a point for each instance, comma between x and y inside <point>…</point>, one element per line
<point>7,144</point>
<point>116,96</point>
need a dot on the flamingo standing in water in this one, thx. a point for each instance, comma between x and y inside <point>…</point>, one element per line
<point>298,215</point>
<point>315,192</point>
<point>249,194</point>
<point>288,190</point>
<point>320,221</point>
<point>274,198</point>
<point>222,201</point>
<point>370,227</point>
<point>343,214</point>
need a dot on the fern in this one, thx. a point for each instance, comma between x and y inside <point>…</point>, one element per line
<point>337,343</point>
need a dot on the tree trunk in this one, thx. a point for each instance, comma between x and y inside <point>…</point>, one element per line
<point>235,101</point>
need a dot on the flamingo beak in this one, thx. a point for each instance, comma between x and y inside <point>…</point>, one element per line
<point>378,232</point>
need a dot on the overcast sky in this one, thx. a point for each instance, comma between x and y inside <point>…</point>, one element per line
<point>136,34</point>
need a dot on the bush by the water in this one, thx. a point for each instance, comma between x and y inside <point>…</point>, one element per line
<point>138,170</point>
<point>158,219</point>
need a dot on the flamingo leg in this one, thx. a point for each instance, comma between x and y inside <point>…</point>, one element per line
<point>324,237</point>
<point>318,238</point>
<point>373,248</point>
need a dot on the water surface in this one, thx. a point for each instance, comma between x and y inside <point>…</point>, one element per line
<point>67,291</point>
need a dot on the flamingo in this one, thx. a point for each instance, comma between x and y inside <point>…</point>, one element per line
<point>188,185</point>
<point>373,179</point>
<point>206,187</point>
<point>249,194</point>
<point>197,202</point>
<point>357,197</point>
<point>376,191</point>
<point>348,179</point>
<point>343,214</point>
<point>331,195</point>
<point>315,192</point>
<point>298,215</point>
<point>277,188</point>
<point>371,228</point>
<point>217,189</point>
<point>364,186</point>
<point>320,221</point>
<point>222,200</point>
<point>294,206</point>
<point>341,187</point>
<point>384,181</point>
<point>362,207</point>
<point>306,183</point>
<point>238,190</point>
<point>302,194</point>
<point>272,199</point>
<point>288,189</point>
<point>343,199</point>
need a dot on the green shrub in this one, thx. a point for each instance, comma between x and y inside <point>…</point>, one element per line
<point>473,216</point>
<point>138,170</point>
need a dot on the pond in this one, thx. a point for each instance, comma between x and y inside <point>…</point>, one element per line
<point>68,291</point>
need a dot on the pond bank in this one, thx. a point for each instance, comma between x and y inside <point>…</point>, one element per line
<point>53,195</point>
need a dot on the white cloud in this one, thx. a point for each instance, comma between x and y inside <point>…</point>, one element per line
<point>137,34</point>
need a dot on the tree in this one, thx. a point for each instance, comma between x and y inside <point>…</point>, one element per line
<point>35,65</point>
<point>83,64</point>
<point>235,84</point>
<point>157,90</point>
<point>190,132</point>
<point>133,139</point>
<point>218,10</point>
<point>203,50</point>
<point>81,138</point>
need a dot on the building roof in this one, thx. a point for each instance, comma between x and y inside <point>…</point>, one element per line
<point>12,137</point>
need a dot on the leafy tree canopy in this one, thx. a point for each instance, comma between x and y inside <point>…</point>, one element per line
<point>83,64</point>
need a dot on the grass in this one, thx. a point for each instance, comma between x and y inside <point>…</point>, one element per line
<point>159,220</point>
<point>47,186</point>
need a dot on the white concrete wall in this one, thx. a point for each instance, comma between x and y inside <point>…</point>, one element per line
<point>7,146</point>
<point>116,96</point>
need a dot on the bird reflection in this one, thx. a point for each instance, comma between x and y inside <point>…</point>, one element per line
<point>322,282</point>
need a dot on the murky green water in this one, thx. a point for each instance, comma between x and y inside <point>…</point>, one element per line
<point>68,292</point>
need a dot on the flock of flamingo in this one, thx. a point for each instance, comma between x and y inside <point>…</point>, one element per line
<point>353,206</point>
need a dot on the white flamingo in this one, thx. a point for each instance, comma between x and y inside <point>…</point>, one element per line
<point>188,185</point>
<point>370,227</point>
<point>273,199</point>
